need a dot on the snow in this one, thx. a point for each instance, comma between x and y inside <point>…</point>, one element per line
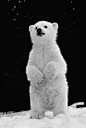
<point>76,118</point>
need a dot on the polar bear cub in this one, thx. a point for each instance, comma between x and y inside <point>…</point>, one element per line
<point>46,71</point>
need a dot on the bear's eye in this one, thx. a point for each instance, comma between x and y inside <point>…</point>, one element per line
<point>36,28</point>
<point>45,26</point>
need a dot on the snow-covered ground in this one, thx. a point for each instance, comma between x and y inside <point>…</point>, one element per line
<point>76,118</point>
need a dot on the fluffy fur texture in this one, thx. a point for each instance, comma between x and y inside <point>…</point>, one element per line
<point>46,71</point>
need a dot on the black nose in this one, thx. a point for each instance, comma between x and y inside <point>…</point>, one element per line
<point>40,32</point>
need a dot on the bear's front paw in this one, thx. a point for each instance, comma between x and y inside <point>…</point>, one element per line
<point>38,78</point>
<point>35,76</point>
<point>50,71</point>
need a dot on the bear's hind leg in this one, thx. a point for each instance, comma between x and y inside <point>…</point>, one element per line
<point>61,106</point>
<point>36,114</point>
<point>37,110</point>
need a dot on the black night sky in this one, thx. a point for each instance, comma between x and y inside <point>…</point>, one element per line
<point>15,45</point>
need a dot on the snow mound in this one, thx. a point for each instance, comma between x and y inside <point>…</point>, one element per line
<point>76,118</point>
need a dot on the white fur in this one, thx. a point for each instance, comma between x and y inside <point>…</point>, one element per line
<point>46,71</point>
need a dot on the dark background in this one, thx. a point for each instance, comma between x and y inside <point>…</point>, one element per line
<point>15,45</point>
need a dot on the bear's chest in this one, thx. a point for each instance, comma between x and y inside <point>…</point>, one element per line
<point>40,57</point>
<point>36,58</point>
<point>43,57</point>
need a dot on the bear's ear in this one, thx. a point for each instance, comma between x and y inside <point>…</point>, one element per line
<point>30,28</point>
<point>55,25</point>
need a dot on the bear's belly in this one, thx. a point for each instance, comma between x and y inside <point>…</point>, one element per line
<point>48,98</point>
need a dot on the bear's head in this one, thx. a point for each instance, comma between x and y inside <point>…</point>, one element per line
<point>43,32</point>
